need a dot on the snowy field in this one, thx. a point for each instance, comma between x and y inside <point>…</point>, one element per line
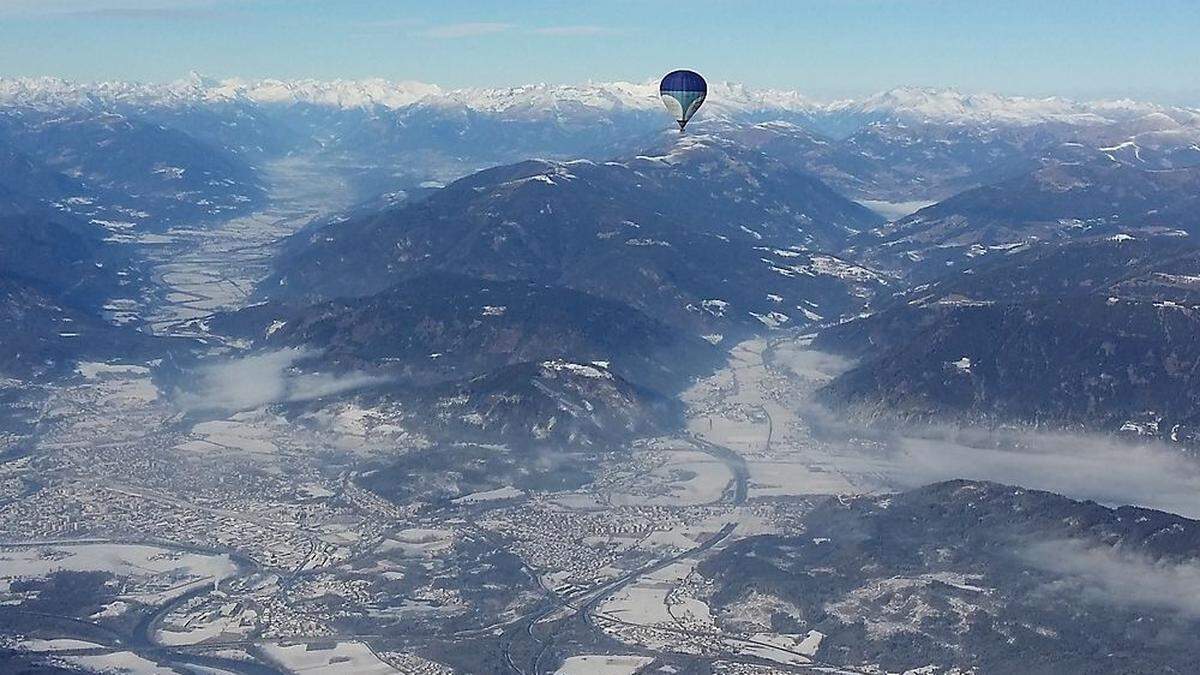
<point>119,383</point>
<point>321,659</point>
<point>418,542</point>
<point>682,478</point>
<point>54,645</point>
<point>603,665</point>
<point>896,210</point>
<point>154,574</point>
<point>119,662</point>
<point>232,435</point>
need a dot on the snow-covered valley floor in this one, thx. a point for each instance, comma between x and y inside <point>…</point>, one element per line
<point>203,269</point>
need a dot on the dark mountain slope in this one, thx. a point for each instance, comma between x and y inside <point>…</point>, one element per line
<point>901,160</point>
<point>553,403</point>
<point>975,576</point>
<point>128,169</point>
<point>56,272</point>
<point>1055,202</point>
<point>700,235</point>
<point>1096,334</point>
<point>21,175</point>
<point>42,335</point>
<point>57,253</point>
<point>444,326</point>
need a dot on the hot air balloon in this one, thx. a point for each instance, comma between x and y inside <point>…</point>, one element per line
<point>683,92</point>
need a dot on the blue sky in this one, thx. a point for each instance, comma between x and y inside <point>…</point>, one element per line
<point>1097,48</point>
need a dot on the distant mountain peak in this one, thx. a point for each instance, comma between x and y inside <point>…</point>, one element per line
<point>907,102</point>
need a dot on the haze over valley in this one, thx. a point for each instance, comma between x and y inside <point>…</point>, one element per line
<point>374,376</point>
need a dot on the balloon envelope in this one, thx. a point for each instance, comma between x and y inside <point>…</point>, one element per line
<point>683,92</point>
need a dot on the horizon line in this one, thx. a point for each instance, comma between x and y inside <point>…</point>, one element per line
<point>650,81</point>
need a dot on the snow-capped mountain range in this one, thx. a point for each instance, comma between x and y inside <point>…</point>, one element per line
<point>904,145</point>
<point>915,104</point>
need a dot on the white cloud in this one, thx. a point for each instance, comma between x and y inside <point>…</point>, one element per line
<point>464,30</point>
<point>1082,466</point>
<point>390,24</point>
<point>1105,469</point>
<point>254,381</point>
<point>573,31</point>
<point>481,28</point>
<point>1106,575</point>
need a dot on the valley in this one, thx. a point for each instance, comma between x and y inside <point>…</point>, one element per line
<point>346,563</point>
<point>328,567</point>
<point>288,504</point>
<point>201,270</point>
<point>345,381</point>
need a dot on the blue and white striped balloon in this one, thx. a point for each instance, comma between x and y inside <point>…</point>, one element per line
<point>683,92</point>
